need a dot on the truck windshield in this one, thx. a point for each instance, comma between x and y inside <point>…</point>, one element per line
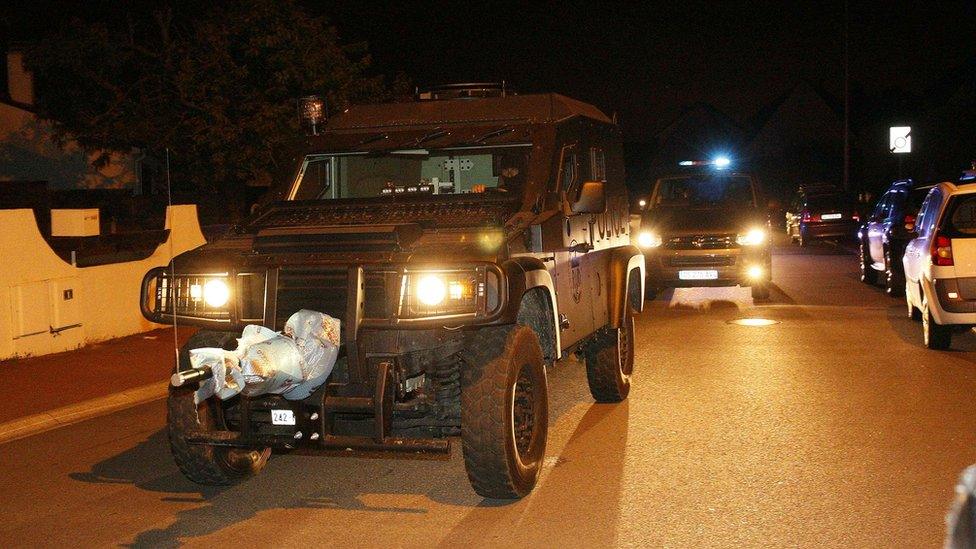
<point>709,190</point>
<point>412,172</point>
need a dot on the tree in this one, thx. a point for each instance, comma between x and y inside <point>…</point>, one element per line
<point>215,83</point>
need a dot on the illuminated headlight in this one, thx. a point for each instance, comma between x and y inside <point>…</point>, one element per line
<point>445,293</point>
<point>647,239</point>
<point>215,293</point>
<point>754,237</point>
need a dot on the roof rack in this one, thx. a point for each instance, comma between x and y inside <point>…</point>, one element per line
<point>468,90</point>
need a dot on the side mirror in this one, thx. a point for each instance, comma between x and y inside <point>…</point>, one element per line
<point>592,198</point>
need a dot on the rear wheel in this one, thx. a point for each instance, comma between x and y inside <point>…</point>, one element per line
<point>935,336</point>
<point>804,238</point>
<point>203,464</point>
<point>610,362</point>
<point>760,291</point>
<point>868,274</point>
<point>504,412</point>
<point>894,278</point>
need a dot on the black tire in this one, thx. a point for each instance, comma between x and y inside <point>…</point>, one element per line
<point>504,412</point>
<point>868,274</point>
<point>202,464</point>
<point>894,278</point>
<point>804,239</point>
<point>760,291</point>
<point>935,336</point>
<point>610,361</point>
<point>913,312</point>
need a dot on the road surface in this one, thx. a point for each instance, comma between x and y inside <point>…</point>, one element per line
<point>833,427</point>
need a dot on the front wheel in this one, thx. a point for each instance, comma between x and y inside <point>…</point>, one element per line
<point>894,278</point>
<point>203,464</point>
<point>504,412</point>
<point>868,274</point>
<point>610,361</point>
<point>935,336</point>
<point>760,291</point>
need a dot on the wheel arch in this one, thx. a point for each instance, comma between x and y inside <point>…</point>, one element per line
<point>627,278</point>
<point>530,282</point>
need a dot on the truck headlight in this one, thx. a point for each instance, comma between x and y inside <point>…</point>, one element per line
<point>648,239</point>
<point>216,293</point>
<point>445,293</point>
<point>752,237</point>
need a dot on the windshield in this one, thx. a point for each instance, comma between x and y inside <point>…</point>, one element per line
<point>830,201</point>
<point>707,190</point>
<point>412,172</point>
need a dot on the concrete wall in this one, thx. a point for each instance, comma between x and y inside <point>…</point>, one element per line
<point>49,306</point>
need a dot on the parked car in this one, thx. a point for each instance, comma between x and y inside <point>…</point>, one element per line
<point>884,234</point>
<point>466,241</point>
<point>940,264</point>
<point>819,212</point>
<point>708,228</point>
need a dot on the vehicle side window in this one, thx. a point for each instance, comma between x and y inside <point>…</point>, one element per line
<point>879,210</point>
<point>929,213</point>
<point>568,168</point>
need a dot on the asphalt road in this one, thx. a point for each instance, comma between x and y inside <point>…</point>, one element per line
<point>832,428</point>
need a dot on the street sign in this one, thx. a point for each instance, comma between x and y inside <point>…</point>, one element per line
<point>900,139</point>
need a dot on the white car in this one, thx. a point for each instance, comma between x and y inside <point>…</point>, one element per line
<point>940,263</point>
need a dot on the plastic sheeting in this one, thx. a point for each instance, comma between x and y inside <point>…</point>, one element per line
<point>292,363</point>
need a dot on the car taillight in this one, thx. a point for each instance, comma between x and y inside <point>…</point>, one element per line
<point>856,216</point>
<point>909,222</point>
<point>942,251</point>
<point>807,216</point>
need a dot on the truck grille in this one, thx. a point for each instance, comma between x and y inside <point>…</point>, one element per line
<point>700,261</point>
<point>701,242</point>
<point>325,289</point>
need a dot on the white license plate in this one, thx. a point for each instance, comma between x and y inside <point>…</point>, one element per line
<point>282,417</point>
<point>698,275</point>
<point>831,216</point>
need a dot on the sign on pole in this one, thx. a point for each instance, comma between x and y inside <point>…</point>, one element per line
<point>900,139</point>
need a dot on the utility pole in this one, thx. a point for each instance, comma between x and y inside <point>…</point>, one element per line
<point>847,99</point>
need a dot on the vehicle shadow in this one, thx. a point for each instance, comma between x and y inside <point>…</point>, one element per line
<point>910,331</point>
<point>385,485</point>
<point>588,469</point>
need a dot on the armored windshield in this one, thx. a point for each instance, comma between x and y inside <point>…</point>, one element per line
<point>412,172</point>
<point>707,190</point>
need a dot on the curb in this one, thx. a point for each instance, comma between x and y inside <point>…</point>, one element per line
<point>74,413</point>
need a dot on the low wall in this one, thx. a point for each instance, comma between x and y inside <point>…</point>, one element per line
<point>49,306</point>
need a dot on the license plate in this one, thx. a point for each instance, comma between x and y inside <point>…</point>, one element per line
<point>698,275</point>
<point>831,216</point>
<point>282,417</point>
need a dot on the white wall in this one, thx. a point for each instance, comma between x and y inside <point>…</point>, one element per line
<point>49,306</point>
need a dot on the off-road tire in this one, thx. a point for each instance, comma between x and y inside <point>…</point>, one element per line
<point>868,274</point>
<point>610,361</point>
<point>203,464</point>
<point>894,279</point>
<point>500,464</point>
<point>760,291</point>
<point>935,336</point>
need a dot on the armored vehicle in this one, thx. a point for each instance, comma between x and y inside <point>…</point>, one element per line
<point>466,241</point>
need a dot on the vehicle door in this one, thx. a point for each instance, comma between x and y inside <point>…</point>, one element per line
<point>876,225</point>
<point>917,250</point>
<point>569,270</point>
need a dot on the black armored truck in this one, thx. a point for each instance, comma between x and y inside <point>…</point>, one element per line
<point>463,243</point>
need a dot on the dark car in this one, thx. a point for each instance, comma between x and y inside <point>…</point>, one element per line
<point>884,234</point>
<point>821,212</point>
<point>464,244</point>
<point>708,228</point>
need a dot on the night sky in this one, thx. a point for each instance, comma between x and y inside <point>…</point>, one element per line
<point>644,62</point>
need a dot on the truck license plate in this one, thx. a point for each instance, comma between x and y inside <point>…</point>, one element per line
<point>831,216</point>
<point>698,275</point>
<point>282,417</point>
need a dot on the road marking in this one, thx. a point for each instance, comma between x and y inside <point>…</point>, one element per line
<point>74,413</point>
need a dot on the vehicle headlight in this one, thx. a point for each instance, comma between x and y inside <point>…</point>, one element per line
<point>216,293</point>
<point>446,292</point>
<point>752,237</point>
<point>648,239</point>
